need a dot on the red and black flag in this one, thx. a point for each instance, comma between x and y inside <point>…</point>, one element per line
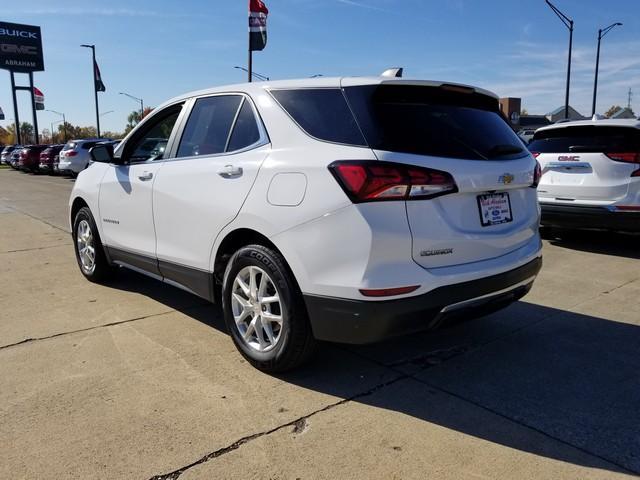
<point>99,85</point>
<point>257,25</point>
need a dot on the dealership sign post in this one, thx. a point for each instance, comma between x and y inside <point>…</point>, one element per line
<point>21,52</point>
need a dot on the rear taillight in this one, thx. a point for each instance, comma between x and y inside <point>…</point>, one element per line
<point>535,154</point>
<point>70,153</point>
<point>627,157</point>
<point>373,180</point>
<point>537,174</point>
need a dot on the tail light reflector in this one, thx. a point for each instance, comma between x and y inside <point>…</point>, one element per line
<point>70,153</point>
<point>374,180</point>
<point>537,174</point>
<point>387,292</point>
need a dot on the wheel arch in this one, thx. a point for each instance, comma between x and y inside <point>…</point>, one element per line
<point>76,205</point>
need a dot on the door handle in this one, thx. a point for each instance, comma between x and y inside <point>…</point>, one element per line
<point>229,171</point>
<point>144,176</point>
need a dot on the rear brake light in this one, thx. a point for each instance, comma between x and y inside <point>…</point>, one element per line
<point>373,180</point>
<point>627,157</point>
<point>537,174</point>
<point>535,154</point>
<point>70,153</point>
<point>387,292</point>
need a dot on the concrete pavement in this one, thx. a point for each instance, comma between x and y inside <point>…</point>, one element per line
<point>136,379</point>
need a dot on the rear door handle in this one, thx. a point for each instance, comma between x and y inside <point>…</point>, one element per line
<point>229,171</point>
<point>144,176</point>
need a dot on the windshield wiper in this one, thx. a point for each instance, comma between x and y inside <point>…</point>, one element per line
<point>499,150</point>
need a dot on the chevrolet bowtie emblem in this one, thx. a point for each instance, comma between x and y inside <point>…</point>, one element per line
<point>507,178</point>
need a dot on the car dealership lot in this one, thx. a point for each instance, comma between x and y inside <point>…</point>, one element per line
<point>138,379</point>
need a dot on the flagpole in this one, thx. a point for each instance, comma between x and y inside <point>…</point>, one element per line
<point>95,89</point>
<point>250,65</point>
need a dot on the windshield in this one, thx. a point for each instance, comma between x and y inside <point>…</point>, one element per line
<point>433,121</point>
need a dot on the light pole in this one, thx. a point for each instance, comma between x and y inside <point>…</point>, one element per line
<point>95,90</point>
<point>137,100</point>
<point>64,122</point>
<point>104,113</point>
<point>601,33</point>
<point>254,74</point>
<point>569,24</point>
<point>52,124</point>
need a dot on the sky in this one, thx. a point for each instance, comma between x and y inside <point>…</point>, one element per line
<point>159,49</point>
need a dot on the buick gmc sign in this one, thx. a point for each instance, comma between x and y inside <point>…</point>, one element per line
<point>20,48</point>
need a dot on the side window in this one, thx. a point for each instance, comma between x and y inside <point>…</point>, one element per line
<point>151,142</point>
<point>245,131</point>
<point>209,124</point>
<point>321,112</point>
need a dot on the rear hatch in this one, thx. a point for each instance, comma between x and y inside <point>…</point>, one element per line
<point>586,162</point>
<point>460,131</point>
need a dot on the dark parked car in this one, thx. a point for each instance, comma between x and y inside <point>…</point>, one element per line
<point>48,157</point>
<point>29,159</point>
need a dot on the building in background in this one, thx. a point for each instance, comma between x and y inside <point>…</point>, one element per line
<point>623,113</point>
<point>558,114</point>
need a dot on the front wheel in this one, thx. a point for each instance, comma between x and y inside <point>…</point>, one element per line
<point>264,310</point>
<point>88,247</point>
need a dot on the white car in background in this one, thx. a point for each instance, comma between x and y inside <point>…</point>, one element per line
<point>590,174</point>
<point>526,134</point>
<point>74,156</point>
<point>339,209</point>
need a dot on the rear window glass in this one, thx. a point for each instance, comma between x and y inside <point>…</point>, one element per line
<point>69,146</point>
<point>245,132</point>
<point>588,138</point>
<point>321,112</point>
<point>433,121</point>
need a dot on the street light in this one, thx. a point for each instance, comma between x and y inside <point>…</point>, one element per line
<point>104,113</point>
<point>569,24</point>
<point>54,123</point>
<point>254,74</point>
<point>95,90</point>
<point>64,122</point>
<point>601,33</point>
<point>137,100</point>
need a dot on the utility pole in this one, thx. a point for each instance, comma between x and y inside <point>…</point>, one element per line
<point>629,97</point>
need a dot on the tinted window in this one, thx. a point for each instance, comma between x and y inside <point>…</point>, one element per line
<point>69,146</point>
<point>207,130</point>
<point>245,131</point>
<point>146,143</point>
<point>588,138</point>
<point>322,113</point>
<point>434,121</point>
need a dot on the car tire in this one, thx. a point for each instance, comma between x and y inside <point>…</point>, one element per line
<point>87,244</point>
<point>267,344</point>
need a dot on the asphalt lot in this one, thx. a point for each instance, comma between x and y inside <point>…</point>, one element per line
<point>137,379</point>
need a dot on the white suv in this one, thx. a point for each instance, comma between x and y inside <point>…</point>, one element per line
<point>345,209</point>
<point>74,156</point>
<point>590,174</point>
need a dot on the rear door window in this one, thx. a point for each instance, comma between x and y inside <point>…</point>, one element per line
<point>586,139</point>
<point>207,130</point>
<point>435,121</point>
<point>245,131</point>
<point>321,112</point>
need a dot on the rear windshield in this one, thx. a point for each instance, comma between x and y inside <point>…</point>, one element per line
<point>69,146</point>
<point>433,121</point>
<point>588,138</point>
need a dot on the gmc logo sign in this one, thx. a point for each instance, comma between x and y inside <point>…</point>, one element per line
<point>568,158</point>
<point>18,49</point>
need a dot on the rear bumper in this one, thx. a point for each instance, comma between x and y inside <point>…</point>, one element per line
<point>573,216</point>
<point>359,321</point>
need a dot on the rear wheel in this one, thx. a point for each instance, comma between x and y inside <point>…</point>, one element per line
<point>264,310</point>
<point>88,247</point>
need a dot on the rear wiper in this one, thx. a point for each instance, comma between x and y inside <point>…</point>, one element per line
<point>586,148</point>
<point>498,150</point>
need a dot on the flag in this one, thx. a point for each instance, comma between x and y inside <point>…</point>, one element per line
<point>257,25</point>
<point>38,98</point>
<point>99,85</point>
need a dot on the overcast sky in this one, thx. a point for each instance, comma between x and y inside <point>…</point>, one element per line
<point>158,49</point>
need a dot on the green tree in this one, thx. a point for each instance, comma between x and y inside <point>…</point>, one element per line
<point>26,133</point>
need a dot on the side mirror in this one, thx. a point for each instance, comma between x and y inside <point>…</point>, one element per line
<point>102,154</point>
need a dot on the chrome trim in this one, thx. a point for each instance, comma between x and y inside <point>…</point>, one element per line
<point>484,298</point>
